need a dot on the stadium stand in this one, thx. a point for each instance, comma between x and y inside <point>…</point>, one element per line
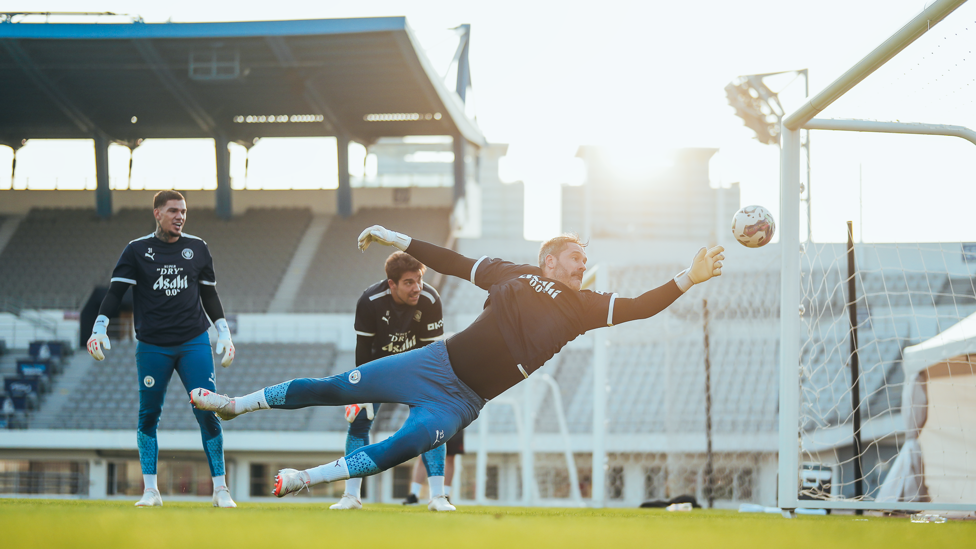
<point>251,252</point>
<point>661,391</point>
<point>79,250</point>
<point>58,255</point>
<point>340,272</point>
<point>256,366</point>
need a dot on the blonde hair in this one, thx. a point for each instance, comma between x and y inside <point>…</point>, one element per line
<point>555,245</point>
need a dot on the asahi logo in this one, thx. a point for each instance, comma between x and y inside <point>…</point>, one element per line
<point>170,280</point>
<point>400,342</point>
<point>541,286</point>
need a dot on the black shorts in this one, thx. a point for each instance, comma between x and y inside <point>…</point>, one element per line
<point>456,444</point>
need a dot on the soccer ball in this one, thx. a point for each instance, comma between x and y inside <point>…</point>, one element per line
<point>753,226</point>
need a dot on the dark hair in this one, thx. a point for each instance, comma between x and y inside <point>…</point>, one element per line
<point>555,245</point>
<point>162,197</point>
<point>401,262</point>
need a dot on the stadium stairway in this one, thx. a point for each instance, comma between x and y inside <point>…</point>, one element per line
<point>291,283</point>
<point>8,226</point>
<point>339,272</point>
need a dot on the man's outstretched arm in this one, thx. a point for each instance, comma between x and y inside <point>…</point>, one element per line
<point>706,265</point>
<point>435,257</point>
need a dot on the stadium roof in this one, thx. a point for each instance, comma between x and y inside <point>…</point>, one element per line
<point>362,78</point>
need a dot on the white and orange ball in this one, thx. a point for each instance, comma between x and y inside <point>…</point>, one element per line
<point>753,226</point>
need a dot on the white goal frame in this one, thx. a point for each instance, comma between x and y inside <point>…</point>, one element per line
<point>803,118</point>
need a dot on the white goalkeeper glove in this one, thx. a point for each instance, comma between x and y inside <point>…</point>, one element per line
<point>386,237</point>
<point>352,410</point>
<point>99,339</point>
<point>225,346</point>
<point>707,263</point>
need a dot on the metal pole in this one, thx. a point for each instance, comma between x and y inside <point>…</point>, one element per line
<point>528,453</point>
<point>103,193</point>
<point>806,83</point>
<point>855,366</point>
<point>872,61</point>
<point>599,475</point>
<point>223,200</point>
<point>344,192</point>
<point>915,128</point>
<point>460,168</point>
<point>789,349</point>
<point>574,488</point>
<point>464,66</point>
<point>481,473</point>
<point>709,493</point>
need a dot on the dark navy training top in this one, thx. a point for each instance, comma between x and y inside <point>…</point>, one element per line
<point>397,328</point>
<point>166,279</point>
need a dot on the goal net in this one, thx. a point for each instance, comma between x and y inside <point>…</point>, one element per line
<point>878,384</point>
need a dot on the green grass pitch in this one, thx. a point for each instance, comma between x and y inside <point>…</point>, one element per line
<point>31,523</point>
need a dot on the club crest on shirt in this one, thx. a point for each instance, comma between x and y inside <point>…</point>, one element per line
<point>187,253</point>
<point>355,376</point>
<point>416,316</point>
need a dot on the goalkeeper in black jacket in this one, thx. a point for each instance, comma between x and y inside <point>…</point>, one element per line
<point>531,313</point>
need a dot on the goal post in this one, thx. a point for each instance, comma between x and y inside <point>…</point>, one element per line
<point>813,291</point>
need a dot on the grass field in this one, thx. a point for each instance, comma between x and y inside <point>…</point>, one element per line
<point>117,524</point>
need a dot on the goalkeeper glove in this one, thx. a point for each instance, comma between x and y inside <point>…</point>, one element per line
<point>225,346</point>
<point>352,410</point>
<point>707,263</point>
<point>386,237</point>
<point>99,339</point>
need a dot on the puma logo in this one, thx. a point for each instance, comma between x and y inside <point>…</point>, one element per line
<point>150,254</point>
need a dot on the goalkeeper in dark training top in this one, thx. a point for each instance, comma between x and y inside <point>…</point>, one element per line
<point>531,313</point>
<point>397,314</point>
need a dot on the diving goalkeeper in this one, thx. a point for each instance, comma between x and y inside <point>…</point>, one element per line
<point>531,313</point>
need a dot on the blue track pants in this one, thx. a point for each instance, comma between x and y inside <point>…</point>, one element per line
<point>423,379</point>
<point>193,361</point>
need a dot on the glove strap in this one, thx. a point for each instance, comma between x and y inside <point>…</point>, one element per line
<point>223,330</point>
<point>101,325</point>
<point>401,241</point>
<point>683,281</point>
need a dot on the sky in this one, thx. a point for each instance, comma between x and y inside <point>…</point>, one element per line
<point>649,77</point>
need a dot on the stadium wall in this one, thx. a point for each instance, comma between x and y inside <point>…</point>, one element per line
<point>320,201</point>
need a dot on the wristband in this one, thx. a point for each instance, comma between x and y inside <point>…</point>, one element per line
<point>101,324</point>
<point>223,331</point>
<point>401,241</point>
<point>683,281</point>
